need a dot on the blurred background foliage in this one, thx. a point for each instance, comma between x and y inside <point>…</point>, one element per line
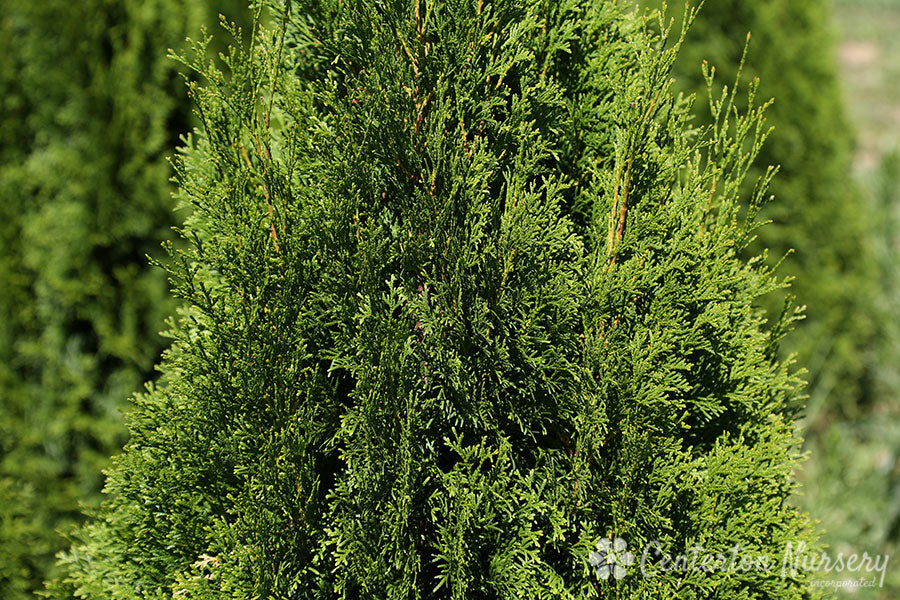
<point>90,107</point>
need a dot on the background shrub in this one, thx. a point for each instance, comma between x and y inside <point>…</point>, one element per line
<point>90,108</point>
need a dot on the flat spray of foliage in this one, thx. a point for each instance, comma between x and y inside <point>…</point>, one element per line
<point>89,107</point>
<point>465,297</point>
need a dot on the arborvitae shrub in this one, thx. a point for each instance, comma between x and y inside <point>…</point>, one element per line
<point>465,296</point>
<point>89,108</point>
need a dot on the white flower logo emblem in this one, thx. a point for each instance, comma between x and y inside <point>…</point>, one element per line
<point>611,558</point>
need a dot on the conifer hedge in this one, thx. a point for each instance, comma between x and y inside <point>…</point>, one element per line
<point>89,108</point>
<point>465,295</point>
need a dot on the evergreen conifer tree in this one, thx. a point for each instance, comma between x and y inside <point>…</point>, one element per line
<point>465,296</point>
<point>89,108</point>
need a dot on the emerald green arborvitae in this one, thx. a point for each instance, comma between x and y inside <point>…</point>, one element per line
<point>820,214</point>
<point>465,296</point>
<point>89,108</point>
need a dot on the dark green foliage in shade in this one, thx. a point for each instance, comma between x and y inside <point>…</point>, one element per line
<point>820,213</point>
<point>89,108</point>
<point>464,296</point>
<point>13,524</point>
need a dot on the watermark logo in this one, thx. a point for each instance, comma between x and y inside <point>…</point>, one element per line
<point>864,570</point>
<point>611,558</point>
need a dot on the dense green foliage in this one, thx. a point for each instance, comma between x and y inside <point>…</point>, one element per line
<point>89,108</point>
<point>465,296</point>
